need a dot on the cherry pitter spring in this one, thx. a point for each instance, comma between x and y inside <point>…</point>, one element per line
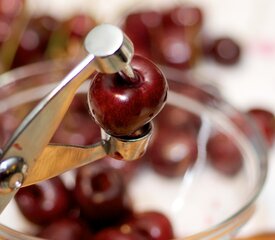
<point>126,92</point>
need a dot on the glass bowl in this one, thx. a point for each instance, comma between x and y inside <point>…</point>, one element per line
<point>208,200</point>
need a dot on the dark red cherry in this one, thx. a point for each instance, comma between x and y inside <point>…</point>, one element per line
<point>71,131</point>
<point>180,119</point>
<point>226,51</point>
<point>79,104</point>
<point>101,193</point>
<point>122,105</point>
<point>265,120</point>
<point>188,18</point>
<point>122,233</point>
<point>224,155</point>
<point>172,48</point>
<point>65,228</point>
<point>35,40</point>
<point>173,152</point>
<point>146,23</point>
<point>152,225</point>
<point>44,202</point>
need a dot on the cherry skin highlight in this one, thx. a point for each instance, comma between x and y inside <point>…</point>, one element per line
<point>178,119</point>
<point>174,152</point>
<point>226,51</point>
<point>187,18</point>
<point>152,225</point>
<point>121,105</point>
<point>100,192</point>
<point>147,24</point>
<point>224,155</point>
<point>44,202</point>
<point>71,132</point>
<point>174,49</point>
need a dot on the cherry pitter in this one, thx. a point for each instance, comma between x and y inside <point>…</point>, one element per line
<point>28,157</point>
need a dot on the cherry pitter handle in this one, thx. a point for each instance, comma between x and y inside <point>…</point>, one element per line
<point>28,157</point>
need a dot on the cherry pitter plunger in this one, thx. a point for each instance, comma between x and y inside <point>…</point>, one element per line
<point>28,157</point>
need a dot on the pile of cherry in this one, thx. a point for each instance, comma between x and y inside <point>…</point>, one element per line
<point>174,37</point>
<point>98,206</point>
<point>26,38</point>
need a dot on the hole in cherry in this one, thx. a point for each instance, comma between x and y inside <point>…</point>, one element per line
<point>101,182</point>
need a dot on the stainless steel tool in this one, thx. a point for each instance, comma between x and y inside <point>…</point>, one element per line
<point>28,158</point>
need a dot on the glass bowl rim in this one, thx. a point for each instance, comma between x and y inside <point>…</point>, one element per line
<point>40,68</point>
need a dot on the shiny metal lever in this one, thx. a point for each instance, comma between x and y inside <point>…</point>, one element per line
<point>23,158</point>
<point>76,156</point>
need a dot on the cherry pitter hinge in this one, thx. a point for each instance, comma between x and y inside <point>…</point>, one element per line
<point>109,51</point>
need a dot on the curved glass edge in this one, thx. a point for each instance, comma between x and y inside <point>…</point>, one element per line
<point>219,230</point>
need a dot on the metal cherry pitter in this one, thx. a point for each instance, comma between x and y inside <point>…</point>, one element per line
<point>28,157</point>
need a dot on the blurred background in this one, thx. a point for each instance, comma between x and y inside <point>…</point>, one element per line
<point>32,31</point>
<point>250,24</point>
